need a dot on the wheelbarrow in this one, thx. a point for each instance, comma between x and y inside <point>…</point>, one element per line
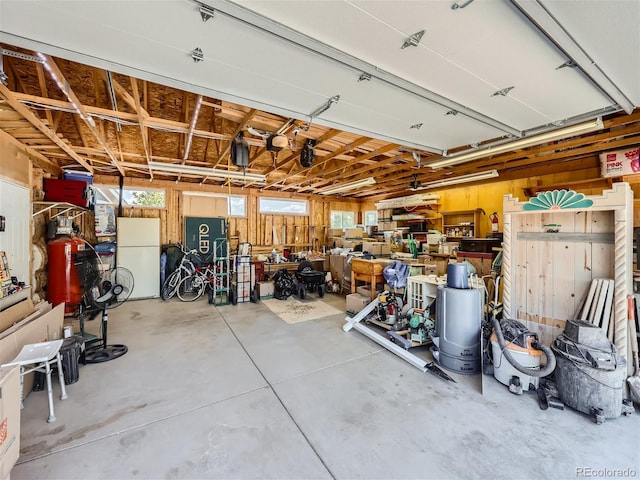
<point>309,280</point>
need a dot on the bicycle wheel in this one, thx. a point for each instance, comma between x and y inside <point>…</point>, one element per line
<point>170,285</point>
<point>190,288</point>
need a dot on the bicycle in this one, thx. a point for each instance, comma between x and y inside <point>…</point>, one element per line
<point>193,287</point>
<point>184,270</point>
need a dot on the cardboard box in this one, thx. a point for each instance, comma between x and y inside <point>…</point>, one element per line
<point>480,261</point>
<point>365,290</point>
<point>370,247</point>
<point>351,243</point>
<point>376,248</point>
<point>356,302</point>
<point>431,269</point>
<point>43,325</point>
<point>9,419</point>
<point>265,290</point>
<point>354,233</point>
<point>15,313</point>
<point>336,232</point>
<point>336,267</point>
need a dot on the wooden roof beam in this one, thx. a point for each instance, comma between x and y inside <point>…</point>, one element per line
<point>62,82</point>
<point>36,122</point>
<point>43,91</point>
<point>325,159</point>
<point>142,115</point>
<point>192,126</point>
<point>380,151</point>
<point>150,122</point>
<point>37,158</point>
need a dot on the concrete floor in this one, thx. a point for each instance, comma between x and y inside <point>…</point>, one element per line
<point>235,392</point>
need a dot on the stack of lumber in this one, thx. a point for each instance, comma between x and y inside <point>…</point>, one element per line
<point>597,308</point>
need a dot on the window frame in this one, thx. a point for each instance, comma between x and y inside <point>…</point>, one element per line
<point>290,200</point>
<point>364,219</point>
<point>342,214</point>
<point>112,197</point>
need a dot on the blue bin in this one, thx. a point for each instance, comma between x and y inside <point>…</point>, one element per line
<point>78,176</point>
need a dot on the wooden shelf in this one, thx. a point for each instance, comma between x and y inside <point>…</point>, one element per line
<point>468,220</point>
<point>65,207</point>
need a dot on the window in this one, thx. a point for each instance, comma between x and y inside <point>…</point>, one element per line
<point>371,218</point>
<point>237,206</point>
<point>285,207</point>
<point>131,197</point>
<point>343,220</point>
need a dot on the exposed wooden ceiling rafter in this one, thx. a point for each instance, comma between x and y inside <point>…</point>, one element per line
<point>158,123</point>
<point>36,122</point>
<point>142,114</point>
<point>89,122</point>
<point>324,160</point>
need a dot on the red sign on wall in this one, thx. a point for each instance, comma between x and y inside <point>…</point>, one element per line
<point>620,162</point>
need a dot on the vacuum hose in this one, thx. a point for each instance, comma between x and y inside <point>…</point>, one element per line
<point>532,372</point>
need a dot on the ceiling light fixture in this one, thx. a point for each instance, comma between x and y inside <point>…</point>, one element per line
<point>552,135</point>
<point>472,177</point>
<point>205,172</point>
<point>349,186</point>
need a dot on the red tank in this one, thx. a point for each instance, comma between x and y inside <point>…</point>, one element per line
<point>63,284</point>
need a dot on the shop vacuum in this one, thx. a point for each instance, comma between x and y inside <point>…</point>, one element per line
<point>517,355</point>
<point>590,375</point>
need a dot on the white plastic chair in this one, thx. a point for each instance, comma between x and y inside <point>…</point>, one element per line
<point>41,356</point>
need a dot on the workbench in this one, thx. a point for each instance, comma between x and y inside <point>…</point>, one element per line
<point>369,271</point>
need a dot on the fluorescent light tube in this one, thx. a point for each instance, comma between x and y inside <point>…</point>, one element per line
<point>558,134</point>
<point>349,186</point>
<point>472,177</point>
<point>205,172</point>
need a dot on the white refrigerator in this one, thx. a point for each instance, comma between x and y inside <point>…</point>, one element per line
<point>139,251</point>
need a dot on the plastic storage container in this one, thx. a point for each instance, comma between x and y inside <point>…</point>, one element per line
<point>78,176</point>
<point>107,253</point>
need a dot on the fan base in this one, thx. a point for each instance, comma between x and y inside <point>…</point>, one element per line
<point>105,354</point>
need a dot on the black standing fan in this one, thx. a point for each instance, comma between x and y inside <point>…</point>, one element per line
<point>101,292</point>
